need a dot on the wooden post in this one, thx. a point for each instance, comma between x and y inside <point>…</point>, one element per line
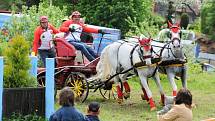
<point>1,85</point>
<point>49,83</point>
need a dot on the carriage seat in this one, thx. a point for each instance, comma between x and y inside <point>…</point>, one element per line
<point>65,52</point>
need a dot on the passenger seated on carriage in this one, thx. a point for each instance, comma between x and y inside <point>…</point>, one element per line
<point>76,27</point>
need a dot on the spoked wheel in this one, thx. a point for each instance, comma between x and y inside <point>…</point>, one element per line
<point>78,83</point>
<point>41,83</point>
<point>108,91</point>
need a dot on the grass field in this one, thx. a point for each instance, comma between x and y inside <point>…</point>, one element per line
<point>201,85</point>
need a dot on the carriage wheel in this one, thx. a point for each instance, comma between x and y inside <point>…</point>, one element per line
<point>78,83</point>
<point>108,92</point>
<point>41,83</point>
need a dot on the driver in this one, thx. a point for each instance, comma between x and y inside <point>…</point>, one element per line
<point>75,26</point>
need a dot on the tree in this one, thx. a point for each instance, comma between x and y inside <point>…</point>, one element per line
<point>207,19</point>
<point>114,13</point>
<point>170,12</point>
<point>17,64</point>
<point>11,5</point>
<point>184,20</point>
<point>29,20</point>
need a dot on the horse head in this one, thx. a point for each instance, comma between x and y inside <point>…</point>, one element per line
<point>175,40</point>
<point>145,44</point>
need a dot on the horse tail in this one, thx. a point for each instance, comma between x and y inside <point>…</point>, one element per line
<point>103,67</point>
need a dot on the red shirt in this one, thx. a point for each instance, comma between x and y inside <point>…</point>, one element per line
<point>65,27</point>
<point>37,33</point>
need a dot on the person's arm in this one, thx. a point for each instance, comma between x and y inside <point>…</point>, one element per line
<point>35,42</point>
<point>65,26</point>
<point>169,116</point>
<point>90,29</point>
<point>55,31</point>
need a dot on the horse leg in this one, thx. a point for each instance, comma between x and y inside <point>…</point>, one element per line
<point>148,92</point>
<point>119,90</point>
<point>157,81</point>
<point>184,76</point>
<point>171,76</point>
<point>127,88</point>
<point>144,95</point>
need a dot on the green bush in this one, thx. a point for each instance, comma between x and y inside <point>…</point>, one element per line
<point>148,27</point>
<point>196,26</point>
<point>18,117</point>
<point>17,64</point>
<point>207,19</point>
<point>3,45</point>
<point>29,20</point>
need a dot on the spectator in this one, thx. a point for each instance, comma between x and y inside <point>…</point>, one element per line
<point>181,110</point>
<point>43,40</point>
<point>76,27</point>
<point>67,112</point>
<point>93,111</point>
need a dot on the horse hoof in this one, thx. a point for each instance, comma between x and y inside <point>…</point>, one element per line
<point>126,95</point>
<point>153,108</point>
<point>119,100</point>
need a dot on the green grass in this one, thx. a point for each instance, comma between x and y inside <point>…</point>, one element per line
<point>202,86</point>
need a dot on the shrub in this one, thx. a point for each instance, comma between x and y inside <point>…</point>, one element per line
<point>18,117</point>
<point>17,64</point>
<point>148,27</point>
<point>29,20</point>
<point>196,26</point>
<point>207,19</point>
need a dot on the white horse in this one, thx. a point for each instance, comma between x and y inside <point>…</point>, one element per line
<point>173,57</point>
<point>121,56</point>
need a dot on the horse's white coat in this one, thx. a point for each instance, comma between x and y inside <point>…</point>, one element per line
<point>172,51</point>
<point>117,56</point>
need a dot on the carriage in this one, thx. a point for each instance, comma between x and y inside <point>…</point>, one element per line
<point>109,66</point>
<point>74,70</point>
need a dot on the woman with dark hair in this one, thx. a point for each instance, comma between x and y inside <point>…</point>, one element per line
<point>67,112</point>
<point>181,110</point>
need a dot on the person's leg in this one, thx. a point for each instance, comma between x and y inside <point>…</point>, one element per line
<point>91,51</point>
<point>82,48</point>
<point>43,55</point>
<point>52,54</point>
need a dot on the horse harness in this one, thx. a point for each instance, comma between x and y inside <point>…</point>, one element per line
<point>142,64</point>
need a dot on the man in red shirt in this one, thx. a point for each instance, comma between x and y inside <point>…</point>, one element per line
<point>43,40</point>
<point>74,28</point>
